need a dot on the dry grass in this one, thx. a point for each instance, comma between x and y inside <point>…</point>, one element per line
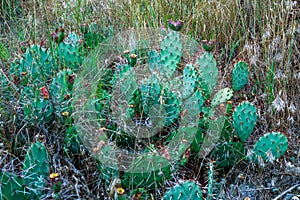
<point>265,33</point>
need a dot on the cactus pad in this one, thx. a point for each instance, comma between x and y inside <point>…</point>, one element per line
<point>187,190</point>
<point>12,187</point>
<point>244,120</point>
<point>171,53</point>
<point>222,96</point>
<point>228,153</point>
<point>33,182</point>
<point>208,71</point>
<point>36,160</point>
<point>149,171</point>
<point>239,75</point>
<point>69,56</point>
<point>271,145</point>
<point>37,107</point>
<point>36,66</point>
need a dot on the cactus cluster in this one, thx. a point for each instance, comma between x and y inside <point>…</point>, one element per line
<point>36,66</point>
<point>158,121</point>
<point>44,81</point>
<point>244,120</point>
<point>151,104</point>
<point>32,183</point>
<point>151,99</point>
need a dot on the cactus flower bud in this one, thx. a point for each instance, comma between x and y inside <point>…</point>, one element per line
<point>208,45</point>
<point>44,92</point>
<point>175,26</point>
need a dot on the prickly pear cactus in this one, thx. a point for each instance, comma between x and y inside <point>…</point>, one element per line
<point>12,187</point>
<point>36,163</point>
<point>207,66</point>
<point>69,56</point>
<point>244,120</point>
<point>72,39</point>
<point>35,67</point>
<point>33,181</point>
<point>171,53</point>
<point>130,96</point>
<point>187,190</point>
<point>61,92</point>
<point>222,96</point>
<point>154,61</point>
<point>270,146</point>
<point>72,141</point>
<point>36,169</point>
<point>239,75</point>
<point>36,103</point>
<point>228,153</point>
<point>147,171</point>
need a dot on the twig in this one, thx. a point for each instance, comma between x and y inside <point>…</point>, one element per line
<point>288,190</point>
<point>10,83</point>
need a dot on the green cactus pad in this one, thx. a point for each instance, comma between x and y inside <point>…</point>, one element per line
<point>177,139</point>
<point>69,56</point>
<point>171,106</point>
<point>239,75</point>
<point>208,71</point>
<point>33,182</point>
<point>272,144</point>
<point>12,187</point>
<point>35,67</point>
<point>61,93</point>
<point>72,39</point>
<point>154,63</point>
<point>189,81</point>
<point>36,169</point>
<point>171,53</point>
<point>36,162</point>
<point>228,153</point>
<point>244,120</point>
<point>37,109</point>
<point>222,96</point>
<point>187,190</point>
<point>148,171</point>
<point>107,165</point>
<point>72,140</point>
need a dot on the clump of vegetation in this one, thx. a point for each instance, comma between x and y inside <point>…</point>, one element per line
<point>240,84</point>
